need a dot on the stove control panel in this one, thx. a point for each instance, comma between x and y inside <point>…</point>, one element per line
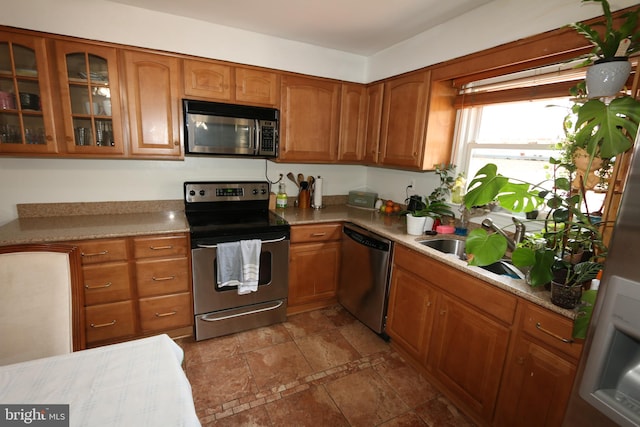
<point>204,191</point>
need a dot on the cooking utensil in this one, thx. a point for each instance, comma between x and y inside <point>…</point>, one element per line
<point>293,179</point>
<point>300,178</point>
<point>311,180</point>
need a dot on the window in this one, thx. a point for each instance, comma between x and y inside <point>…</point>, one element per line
<point>514,121</point>
<point>517,136</point>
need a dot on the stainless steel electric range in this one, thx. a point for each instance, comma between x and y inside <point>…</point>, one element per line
<point>220,212</point>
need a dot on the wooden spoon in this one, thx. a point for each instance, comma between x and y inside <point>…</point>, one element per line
<point>293,179</point>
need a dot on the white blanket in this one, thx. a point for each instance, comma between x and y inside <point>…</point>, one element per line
<point>136,383</point>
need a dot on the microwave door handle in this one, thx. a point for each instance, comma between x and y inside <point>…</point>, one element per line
<point>256,135</point>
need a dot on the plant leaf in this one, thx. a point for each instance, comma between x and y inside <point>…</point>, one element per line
<point>523,257</point>
<point>486,248</point>
<point>518,198</point>
<point>484,187</point>
<point>540,272</point>
<point>583,317</point>
<point>611,128</point>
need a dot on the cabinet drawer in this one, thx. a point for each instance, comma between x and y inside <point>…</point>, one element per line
<point>96,251</point>
<point>163,276</point>
<point>166,312</point>
<point>550,328</point>
<point>152,247</point>
<point>105,283</point>
<point>316,232</point>
<point>109,321</point>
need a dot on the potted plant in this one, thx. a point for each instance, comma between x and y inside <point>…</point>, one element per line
<point>611,48</point>
<point>600,129</point>
<point>422,218</point>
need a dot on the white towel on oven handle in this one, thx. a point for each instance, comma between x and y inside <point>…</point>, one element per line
<point>229,257</point>
<point>250,250</point>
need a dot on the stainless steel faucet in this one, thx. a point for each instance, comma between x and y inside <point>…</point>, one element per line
<point>517,237</point>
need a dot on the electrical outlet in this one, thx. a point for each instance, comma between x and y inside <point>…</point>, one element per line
<point>412,184</point>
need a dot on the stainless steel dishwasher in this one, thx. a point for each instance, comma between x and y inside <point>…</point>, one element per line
<point>364,276</point>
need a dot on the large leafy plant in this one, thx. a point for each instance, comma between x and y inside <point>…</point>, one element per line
<point>605,38</point>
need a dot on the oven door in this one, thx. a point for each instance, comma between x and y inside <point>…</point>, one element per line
<point>272,285</point>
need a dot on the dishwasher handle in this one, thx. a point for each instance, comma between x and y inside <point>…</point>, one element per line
<point>366,239</point>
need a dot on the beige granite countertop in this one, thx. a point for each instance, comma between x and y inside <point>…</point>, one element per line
<point>67,222</point>
<point>394,228</point>
<point>57,222</point>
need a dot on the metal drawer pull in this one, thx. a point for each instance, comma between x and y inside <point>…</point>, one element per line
<point>161,279</point>
<point>102,325</point>
<point>160,248</point>
<point>106,285</point>
<point>231,316</point>
<point>264,241</point>
<point>318,234</point>
<point>95,253</point>
<point>558,337</point>
<point>171,313</point>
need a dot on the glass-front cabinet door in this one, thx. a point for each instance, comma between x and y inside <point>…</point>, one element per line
<point>26,116</point>
<point>90,98</point>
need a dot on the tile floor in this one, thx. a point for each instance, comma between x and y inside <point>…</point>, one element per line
<point>321,368</point>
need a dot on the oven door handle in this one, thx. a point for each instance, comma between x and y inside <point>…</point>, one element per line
<point>264,241</point>
<point>231,316</point>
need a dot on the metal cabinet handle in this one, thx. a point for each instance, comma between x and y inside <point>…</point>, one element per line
<point>103,325</point>
<point>318,234</point>
<point>556,336</point>
<point>106,285</point>
<point>170,313</point>
<point>160,248</point>
<point>95,253</point>
<point>162,279</point>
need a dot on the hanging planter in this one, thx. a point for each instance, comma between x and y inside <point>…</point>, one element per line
<point>606,78</point>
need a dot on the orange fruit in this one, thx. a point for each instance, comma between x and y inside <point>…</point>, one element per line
<point>389,203</point>
<point>388,209</point>
<point>396,208</point>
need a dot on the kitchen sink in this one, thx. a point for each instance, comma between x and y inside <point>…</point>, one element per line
<point>457,247</point>
<point>447,246</point>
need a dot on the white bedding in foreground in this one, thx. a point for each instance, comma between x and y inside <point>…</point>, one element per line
<point>136,383</point>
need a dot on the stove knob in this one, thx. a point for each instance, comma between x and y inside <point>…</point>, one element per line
<point>201,192</point>
<point>192,193</point>
<point>263,191</point>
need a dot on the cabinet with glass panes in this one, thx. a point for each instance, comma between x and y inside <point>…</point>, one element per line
<point>90,98</point>
<point>26,116</point>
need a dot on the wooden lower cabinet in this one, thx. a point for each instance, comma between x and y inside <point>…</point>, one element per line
<point>411,312</point>
<point>502,360</point>
<point>540,370</point>
<point>314,266</point>
<point>135,287</point>
<point>467,354</point>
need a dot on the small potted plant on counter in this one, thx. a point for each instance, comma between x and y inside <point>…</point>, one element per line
<point>422,217</point>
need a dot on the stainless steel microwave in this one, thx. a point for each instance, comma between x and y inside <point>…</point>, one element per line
<point>213,128</point>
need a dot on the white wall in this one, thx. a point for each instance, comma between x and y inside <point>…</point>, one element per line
<point>61,180</point>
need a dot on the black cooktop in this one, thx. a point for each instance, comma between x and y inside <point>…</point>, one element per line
<point>228,211</point>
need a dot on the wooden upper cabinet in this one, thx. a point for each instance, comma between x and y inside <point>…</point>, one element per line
<point>373,121</point>
<point>207,79</point>
<point>353,108</point>
<point>225,83</point>
<point>418,120</point>
<point>26,108</point>
<point>404,118</point>
<point>256,87</point>
<point>310,118</point>
<point>90,98</point>
<point>153,104</point>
